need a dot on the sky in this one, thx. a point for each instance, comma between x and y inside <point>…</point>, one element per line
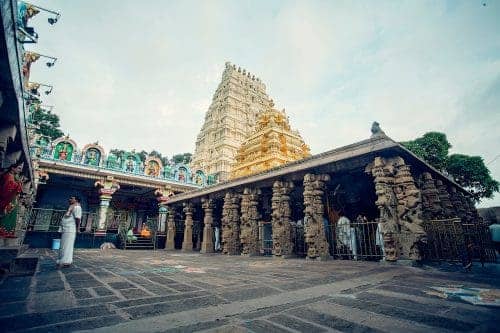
<point>141,74</point>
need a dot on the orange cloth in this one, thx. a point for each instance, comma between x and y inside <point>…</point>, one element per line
<point>145,232</point>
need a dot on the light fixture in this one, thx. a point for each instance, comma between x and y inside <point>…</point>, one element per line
<point>51,20</point>
<point>33,87</point>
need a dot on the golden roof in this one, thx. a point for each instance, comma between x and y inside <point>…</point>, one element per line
<point>273,143</point>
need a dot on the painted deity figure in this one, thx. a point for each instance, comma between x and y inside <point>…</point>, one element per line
<point>182,176</point>
<point>129,165</point>
<point>92,157</point>
<point>10,188</point>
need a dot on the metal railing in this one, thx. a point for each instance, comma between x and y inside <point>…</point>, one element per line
<point>452,240</point>
<point>43,219</point>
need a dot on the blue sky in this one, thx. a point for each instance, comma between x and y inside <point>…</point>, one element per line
<point>141,75</point>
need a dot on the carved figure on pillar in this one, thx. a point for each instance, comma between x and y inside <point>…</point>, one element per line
<point>409,208</point>
<point>456,202</point>
<point>208,207</point>
<point>431,204</point>
<point>314,186</point>
<point>163,196</point>
<point>230,224</point>
<point>187,243</point>
<point>383,173</point>
<point>281,219</point>
<point>444,198</point>
<point>170,242</point>
<point>250,216</point>
<point>107,187</point>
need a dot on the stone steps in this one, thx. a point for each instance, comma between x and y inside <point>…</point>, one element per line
<point>15,262</point>
<point>142,243</point>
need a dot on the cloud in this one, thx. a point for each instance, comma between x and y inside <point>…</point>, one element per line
<point>142,76</point>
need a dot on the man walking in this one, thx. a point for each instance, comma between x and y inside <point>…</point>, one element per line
<point>70,224</point>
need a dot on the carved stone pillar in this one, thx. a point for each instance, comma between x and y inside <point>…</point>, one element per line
<point>281,219</point>
<point>187,243</point>
<point>170,242</point>
<point>444,198</point>
<point>107,188</point>
<point>250,216</point>
<point>230,224</point>
<point>314,186</point>
<point>412,234</point>
<point>387,203</point>
<point>208,244</point>
<point>456,201</point>
<point>431,204</point>
<point>163,196</point>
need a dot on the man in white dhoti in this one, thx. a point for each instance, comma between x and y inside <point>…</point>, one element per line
<point>346,235</point>
<point>70,224</point>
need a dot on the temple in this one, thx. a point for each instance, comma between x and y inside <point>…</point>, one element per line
<point>251,175</point>
<point>272,143</point>
<point>230,119</point>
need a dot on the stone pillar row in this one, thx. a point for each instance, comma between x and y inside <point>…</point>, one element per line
<point>240,232</point>
<point>442,202</point>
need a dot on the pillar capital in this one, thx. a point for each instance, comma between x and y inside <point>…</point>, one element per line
<point>107,187</point>
<point>163,194</point>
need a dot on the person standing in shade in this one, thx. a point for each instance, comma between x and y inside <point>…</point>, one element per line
<point>217,236</point>
<point>70,224</point>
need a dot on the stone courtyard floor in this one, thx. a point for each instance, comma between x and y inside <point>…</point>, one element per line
<point>146,291</point>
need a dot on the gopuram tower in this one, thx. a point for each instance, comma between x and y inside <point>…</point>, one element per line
<point>230,119</point>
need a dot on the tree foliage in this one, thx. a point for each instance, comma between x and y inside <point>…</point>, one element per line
<point>47,123</point>
<point>182,158</point>
<point>432,147</point>
<point>472,173</point>
<point>469,172</point>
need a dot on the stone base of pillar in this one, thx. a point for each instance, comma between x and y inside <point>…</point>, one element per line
<point>207,247</point>
<point>187,247</point>
<point>169,245</point>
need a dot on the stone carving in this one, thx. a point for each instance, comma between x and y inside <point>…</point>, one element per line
<point>400,205</point>
<point>281,219</point>
<point>383,173</point>
<point>106,187</point>
<point>376,130</point>
<point>230,224</point>
<point>229,120</point>
<point>170,243</point>
<point>431,204</point>
<point>272,143</point>
<point>208,207</point>
<point>456,201</point>
<point>444,197</point>
<point>187,243</point>
<point>409,211</point>
<point>250,216</point>
<point>314,186</point>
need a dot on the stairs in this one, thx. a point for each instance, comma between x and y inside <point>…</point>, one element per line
<point>142,243</point>
<point>15,262</point>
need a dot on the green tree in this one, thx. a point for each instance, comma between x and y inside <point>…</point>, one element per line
<point>182,158</point>
<point>432,147</point>
<point>471,173</point>
<point>47,123</point>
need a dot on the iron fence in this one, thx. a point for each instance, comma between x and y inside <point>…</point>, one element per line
<point>43,219</point>
<point>452,240</point>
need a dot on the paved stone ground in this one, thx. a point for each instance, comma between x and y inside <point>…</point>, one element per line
<point>145,291</point>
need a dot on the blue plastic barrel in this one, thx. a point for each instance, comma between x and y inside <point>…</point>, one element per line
<point>56,244</point>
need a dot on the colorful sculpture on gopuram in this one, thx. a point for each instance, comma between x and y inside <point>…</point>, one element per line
<point>65,150</point>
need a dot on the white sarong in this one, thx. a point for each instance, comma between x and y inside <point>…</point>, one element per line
<point>68,226</point>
